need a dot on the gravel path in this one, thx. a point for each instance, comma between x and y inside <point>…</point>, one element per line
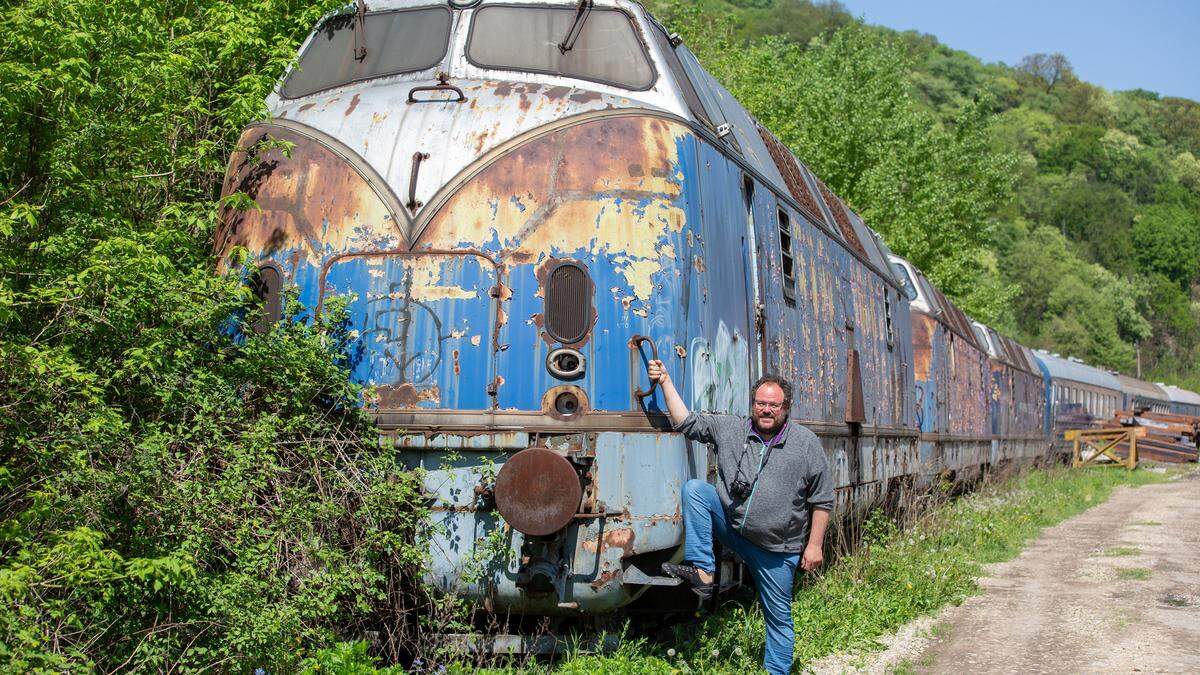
<point>1114,589</point>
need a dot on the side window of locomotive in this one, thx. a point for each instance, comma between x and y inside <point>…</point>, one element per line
<point>401,41</point>
<point>786,262</point>
<point>887,317</point>
<point>267,285</point>
<point>599,45</point>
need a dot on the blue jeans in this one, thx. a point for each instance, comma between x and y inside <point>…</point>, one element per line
<point>774,573</point>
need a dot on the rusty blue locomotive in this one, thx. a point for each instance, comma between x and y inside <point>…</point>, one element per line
<point>519,204</point>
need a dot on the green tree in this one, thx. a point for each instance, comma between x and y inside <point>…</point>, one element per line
<point>177,494</point>
<point>1167,239</point>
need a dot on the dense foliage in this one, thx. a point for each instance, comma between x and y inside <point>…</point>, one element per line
<point>1063,214</point>
<point>173,494</point>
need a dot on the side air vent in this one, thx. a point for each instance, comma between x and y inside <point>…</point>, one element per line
<point>267,285</point>
<point>568,303</point>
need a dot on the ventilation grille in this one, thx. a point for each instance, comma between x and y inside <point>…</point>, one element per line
<point>838,209</point>
<point>786,163</point>
<point>568,303</point>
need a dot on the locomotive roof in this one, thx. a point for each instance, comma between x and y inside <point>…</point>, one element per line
<point>1180,395</point>
<point>372,115</point>
<point>1065,369</point>
<point>1136,387</point>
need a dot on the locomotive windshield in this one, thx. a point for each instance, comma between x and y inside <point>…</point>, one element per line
<point>385,43</point>
<point>607,48</point>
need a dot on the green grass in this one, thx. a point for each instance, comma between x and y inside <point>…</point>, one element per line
<point>1118,551</point>
<point>1133,573</point>
<point>894,577</point>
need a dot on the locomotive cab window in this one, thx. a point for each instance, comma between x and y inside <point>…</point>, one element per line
<point>786,262</point>
<point>346,49</point>
<point>597,44</point>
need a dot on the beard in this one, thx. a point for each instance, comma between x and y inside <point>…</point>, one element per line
<point>769,423</point>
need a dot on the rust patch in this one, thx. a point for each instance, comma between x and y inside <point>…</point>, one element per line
<point>584,96</point>
<point>557,92</point>
<point>604,578</point>
<point>503,89</point>
<point>457,367</point>
<point>621,538</point>
<point>352,106</point>
<point>680,351</point>
<point>922,346</point>
<point>698,263</point>
<point>404,395</point>
<point>306,107</point>
<point>310,203</point>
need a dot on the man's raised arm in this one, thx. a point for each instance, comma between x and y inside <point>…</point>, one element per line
<point>675,406</point>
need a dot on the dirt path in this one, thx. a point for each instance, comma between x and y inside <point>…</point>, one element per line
<point>1114,589</point>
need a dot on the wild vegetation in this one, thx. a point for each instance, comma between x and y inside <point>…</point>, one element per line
<point>176,492</point>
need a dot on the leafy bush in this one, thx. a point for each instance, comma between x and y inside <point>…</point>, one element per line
<point>176,494</point>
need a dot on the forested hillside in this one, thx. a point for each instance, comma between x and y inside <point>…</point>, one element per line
<point>1061,213</point>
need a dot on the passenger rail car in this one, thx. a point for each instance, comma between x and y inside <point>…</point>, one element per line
<point>1077,394</point>
<point>1183,402</point>
<point>517,205</point>
<point>1138,395</point>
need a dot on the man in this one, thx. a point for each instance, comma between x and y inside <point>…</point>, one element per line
<point>770,505</point>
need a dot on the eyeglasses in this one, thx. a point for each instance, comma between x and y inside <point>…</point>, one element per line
<point>767,405</point>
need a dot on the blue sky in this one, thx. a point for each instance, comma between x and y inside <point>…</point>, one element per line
<point>1152,44</point>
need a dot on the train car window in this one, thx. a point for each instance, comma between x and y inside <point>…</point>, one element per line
<point>267,285</point>
<point>399,41</point>
<point>528,39</point>
<point>887,317</point>
<point>906,281</point>
<point>786,262</point>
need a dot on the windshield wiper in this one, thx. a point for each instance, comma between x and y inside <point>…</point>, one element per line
<point>581,15</point>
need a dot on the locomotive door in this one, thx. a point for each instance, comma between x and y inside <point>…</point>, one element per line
<point>722,353</point>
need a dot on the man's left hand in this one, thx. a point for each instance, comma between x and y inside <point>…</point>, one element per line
<point>812,558</point>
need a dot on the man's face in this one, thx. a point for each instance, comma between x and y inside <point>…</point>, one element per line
<point>768,412</point>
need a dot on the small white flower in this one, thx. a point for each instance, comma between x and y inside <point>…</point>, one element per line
<point>670,652</point>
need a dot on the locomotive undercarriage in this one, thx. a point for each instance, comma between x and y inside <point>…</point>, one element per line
<point>625,520</point>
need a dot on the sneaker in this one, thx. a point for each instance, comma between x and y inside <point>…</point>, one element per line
<point>691,576</point>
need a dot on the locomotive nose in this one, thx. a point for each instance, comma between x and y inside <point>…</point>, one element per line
<point>538,491</point>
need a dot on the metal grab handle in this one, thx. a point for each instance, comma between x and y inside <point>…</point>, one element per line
<point>442,85</point>
<point>418,157</point>
<point>635,343</point>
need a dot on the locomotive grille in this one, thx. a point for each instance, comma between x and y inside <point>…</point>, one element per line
<point>568,303</point>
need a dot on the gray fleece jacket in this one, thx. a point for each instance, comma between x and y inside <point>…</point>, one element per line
<point>789,479</point>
